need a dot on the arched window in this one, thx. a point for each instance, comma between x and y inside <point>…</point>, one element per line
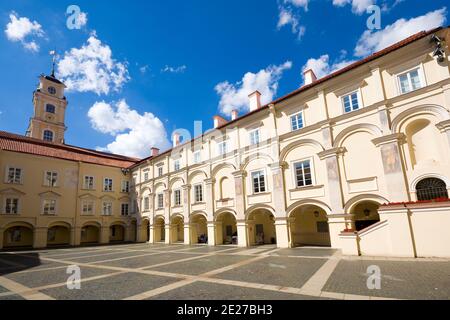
<point>48,135</point>
<point>50,108</point>
<point>431,189</point>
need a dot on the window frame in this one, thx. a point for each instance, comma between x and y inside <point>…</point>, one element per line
<point>349,94</point>
<point>47,140</point>
<point>423,82</point>
<point>125,186</point>
<point>175,202</point>
<point>5,206</point>
<point>105,185</point>
<point>86,186</point>
<point>48,183</point>
<point>176,165</point>
<point>251,137</point>
<point>49,213</point>
<point>160,197</point>
<point>146,205</point>
<point>302,114</point>
<point>122,205</point>
<point>195,186</point>
<point>220,150</point>
<point>266,189</point>
<point>294,172</point>
<point>160,171</point>
<point>195,154</point>
<point>8,168</point>
<point>50,105</point>
<point>86,203</point>
<point>111,205</point>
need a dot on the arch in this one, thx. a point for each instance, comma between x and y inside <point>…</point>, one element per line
<point>59,233</point>
<point>66,224</point>
<point>117,231</point>
<point>198,228</point>
<point>261,226</point>
<point>159,228</point>
<point>90,232</point>
<point>365,214</point>
<point>250,210</point>
<point>159,184</point>
<point>364,127</point>
<point>92,223</point>
<point>297,144</point>
<point>255,156</point>
<point>145,189</point>
<point>18,224</point>
<point>176,229</point>
<point>436,110</point>
<point>175,180</point>
<point>413,184</point>
<point>221,211</point>
<point>221,166</point>
<point>431,189</point>
<point>308,225</point>
<point>226,227</point>
<point>193,174</point>
<point>198,213</point>
<point>305,202</point>
<point>18,234</point>
<point>118,223</point>
<point>350,204</point>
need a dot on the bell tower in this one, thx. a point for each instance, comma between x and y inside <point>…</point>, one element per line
<point>49,102</point>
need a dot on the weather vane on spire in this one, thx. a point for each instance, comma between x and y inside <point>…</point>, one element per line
<point>54,56</point>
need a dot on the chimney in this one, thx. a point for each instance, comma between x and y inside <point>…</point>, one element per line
<point>309,76</point>
<point>234,115</point>
<point>176,139</point>
<point>219,121</point>
<point>155,152</point>
<point>255,100</point>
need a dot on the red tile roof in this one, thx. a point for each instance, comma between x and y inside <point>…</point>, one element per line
<point>352,66</point>
<point>17,143</point>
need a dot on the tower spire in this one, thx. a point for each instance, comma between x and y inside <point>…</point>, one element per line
<point>53,54</point>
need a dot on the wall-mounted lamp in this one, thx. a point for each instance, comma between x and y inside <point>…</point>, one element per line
<point>316,214</point>
<point>367,212</point>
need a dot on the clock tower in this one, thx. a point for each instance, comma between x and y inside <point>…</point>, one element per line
<point>49,102</point>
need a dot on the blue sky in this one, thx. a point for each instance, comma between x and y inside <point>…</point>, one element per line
<point>156,66</point>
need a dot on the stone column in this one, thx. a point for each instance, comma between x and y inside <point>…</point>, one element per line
<point>187,200</point>
<point>187,233</point>
<point>127,232</point>
<point>1,238</point>
<point>209,197</point>
<point>278,193</point>
<point>242,233</point>
<point>168,222</point>
<point>75,236</point>
<point>282,232</point>
<point>152,234</point>
<point>393,166</point>
<point>104,234</point>
<point>334,178</point>
<point>212,241</point>
<point>167,231</point>
<point>40,238</point>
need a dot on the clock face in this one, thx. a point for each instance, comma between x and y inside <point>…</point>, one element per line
<point>51,90</point>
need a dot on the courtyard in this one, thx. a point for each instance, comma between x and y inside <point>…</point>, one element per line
<point>181,272</point>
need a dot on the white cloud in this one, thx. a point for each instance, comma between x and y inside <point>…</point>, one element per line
<point>358,6</point>
<point>370,42</point>
<point>144,69</point>
<point>287,17</point>
<point>169,69</point>
<point>92,68</point>
<point>298,3</point>
<point>21,29</point>
<point>82,19</point>
<point>134,133</point>
<point>235,96</point>
<point>322,67</point>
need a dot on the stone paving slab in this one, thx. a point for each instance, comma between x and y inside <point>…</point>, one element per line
<point>2,289</point>
<point>31,263</point>
<point>403,280</point>
<point>11,297</point>
<point>207,249</point>
<point>48,277</point>
<point>280,271</point>
<point>101,257</point>
<point>212,291</point>
<point>305,252</point>
<point>173,247</point>
<point>202,265</point>
<point>149,260</point>
<point>112,288</point>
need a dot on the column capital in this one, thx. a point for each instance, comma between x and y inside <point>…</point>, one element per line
<point>187,187</point>
<point>210,181</point>
<point>331,153</point>
<point>444,126</point>
<point>392,138</point>
<point>278,165</point>
<point>239,174</point>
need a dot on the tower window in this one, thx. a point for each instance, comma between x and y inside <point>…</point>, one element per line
<point>48,135</point>
<point>50,108</point>
<point>51,90</point>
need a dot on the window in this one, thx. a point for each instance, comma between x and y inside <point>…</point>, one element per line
<point>125,186</point>
<point>146,176</point>
<point>410,81</point>
<point>14,175</point>
<point>431,189</point>
<point>351,102</point>
<point>259,181</point>
<point>177,197</point>
<point>124,210</point>
<point>198,193</point>
<point>49,207</point>
<point>50,179</point>
<point>297,121</point>
<point>160,201</point>
<point>88,182</point>
<point>160,171</point>
<point>146,203</point>
<point>197,157</point>
<point>50,108</point>
<point>254,137</point>
<point>107,208</point>
<point>176,165</point>
<point>88,207</point>
<point>12,206</point>
<point>108,185</point>
<point>48,135</point>
<point>222,148</point>
<point>303,173</point>
<point>51,90</point>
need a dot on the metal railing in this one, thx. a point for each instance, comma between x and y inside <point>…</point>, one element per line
<point>432,194</point>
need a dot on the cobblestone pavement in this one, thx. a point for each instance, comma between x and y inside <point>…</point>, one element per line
<point>145,271</point>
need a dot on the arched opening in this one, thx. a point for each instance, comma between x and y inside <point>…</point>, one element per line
<point>90,234</point>
<point>116,233</point>
<point>133,231</point>
<point>199,229</point>
<point>18,237</point>
<point>159,230</point>
<point>226,229</point>
<point>261,227</point>
<point>58,236</point>
<point>48,135</point>
<point>309,227</point>
<point>431,189</point>
<point>177,230</point>
<point>423,143</point>
<point>146,229</point>
<point>365,214</point>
